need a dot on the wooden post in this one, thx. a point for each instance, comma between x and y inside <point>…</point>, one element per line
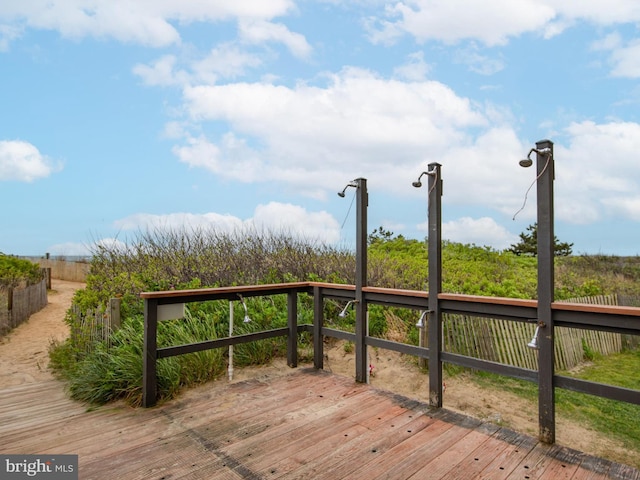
<point>150,353</point>
<point>546,402</point>
<point>360,306</point>
<point>318,321</point>
<point>47,276</point>
<point>292,338</point>
<point>114,313</point>
<point>434,322</point>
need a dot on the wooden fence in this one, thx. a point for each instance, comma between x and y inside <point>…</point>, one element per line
<point>18,304</point>
<point>506,342</point>
<point>95,325</point>
<point>72,271</point>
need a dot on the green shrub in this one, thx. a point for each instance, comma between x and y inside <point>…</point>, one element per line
<point>15,272</point>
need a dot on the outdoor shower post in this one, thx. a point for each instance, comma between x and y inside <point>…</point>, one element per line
<point>150,353</point>
<point>434,322</point>
<point>362,201</point>
<point>545,175</point>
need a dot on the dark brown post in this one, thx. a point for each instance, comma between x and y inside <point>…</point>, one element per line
<point>150,353</point>
<point>434,322</point>
<point>362,331</point>
<point>292,338</point>
<point>546,404</point>
<point>318,321</point>
<point>114,312</point>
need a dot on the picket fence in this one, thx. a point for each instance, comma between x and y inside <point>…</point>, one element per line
<point>18,304</point>
<point>95,325</point>
<point>507,342</point>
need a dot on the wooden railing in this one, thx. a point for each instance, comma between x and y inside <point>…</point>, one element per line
<point>544,313</point>
<point>622,320</point>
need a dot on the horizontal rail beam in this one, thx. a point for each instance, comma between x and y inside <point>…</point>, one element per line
<point>493,367</point>
<point>405,348</point>
<point>221,342</point>
<point>599,389</point>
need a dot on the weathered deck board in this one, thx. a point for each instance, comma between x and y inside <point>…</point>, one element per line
<point>305,425</point>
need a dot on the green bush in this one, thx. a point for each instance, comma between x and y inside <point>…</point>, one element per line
<point>114,371</point>
<point>15,272</point>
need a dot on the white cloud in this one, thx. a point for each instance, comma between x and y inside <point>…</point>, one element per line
<point>293,219</point>
<point>493,22</point>
<point>147,22</point>
<point>161,72</point>
<point>597,173</point>
<point>626,60</point>
<point>624,57</point>
<point>477,62</point>
<point>273,217</point>
<point>23,162</point>
<point>415,69</point>
<point>483,231</point>
<point>261,31</point>
<point>360,124</point>
<point>225,61</point>
<point>8,33</point>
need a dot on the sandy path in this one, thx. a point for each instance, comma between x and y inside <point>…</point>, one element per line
<point>24,355</point>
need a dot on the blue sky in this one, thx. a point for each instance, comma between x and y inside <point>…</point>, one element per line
<point>120,116</point>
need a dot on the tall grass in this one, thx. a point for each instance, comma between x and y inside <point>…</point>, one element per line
<point>115,372</point>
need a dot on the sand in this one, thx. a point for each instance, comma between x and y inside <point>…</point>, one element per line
<point>24,359</point>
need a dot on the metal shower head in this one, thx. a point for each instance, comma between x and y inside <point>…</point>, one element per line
<point>343,313</point>
<point>350,184</point>
<point>526,162</point>
<point>247,318</point>
<point>420,323</point>
<point>418,183</point>
<point>534,341</point>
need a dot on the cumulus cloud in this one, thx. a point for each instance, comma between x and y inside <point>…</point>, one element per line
<point>483,231</point>
<point>493,22</point>
<point>23,162</point>
<point>147,22</point>
<point>597,172</point>
<point>272,217</point>
<point>360,123</point>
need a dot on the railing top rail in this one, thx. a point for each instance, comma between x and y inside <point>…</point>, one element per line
<point>194,292</point>
<point>518,302</point>
<point>396,291</point>
<point>594,308</point>
<point>276,287</point>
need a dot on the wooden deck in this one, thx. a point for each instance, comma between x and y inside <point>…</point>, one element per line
<point>309,424</point>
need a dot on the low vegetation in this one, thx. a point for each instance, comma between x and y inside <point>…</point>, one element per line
<point>15,272</point>
<point>177,260</point>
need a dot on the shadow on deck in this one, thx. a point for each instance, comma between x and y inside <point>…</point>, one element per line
<point>307,424</point>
